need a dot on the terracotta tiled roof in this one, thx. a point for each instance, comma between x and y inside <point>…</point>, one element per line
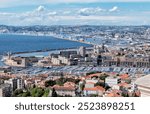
<point>113,95</point>
<point>124,76</point>
<point>64,88</point>
<point>97,88</point>
<point>100,88</point>
<point>69,84</point>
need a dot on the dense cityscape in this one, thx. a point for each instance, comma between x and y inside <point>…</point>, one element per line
<point>115,64</point>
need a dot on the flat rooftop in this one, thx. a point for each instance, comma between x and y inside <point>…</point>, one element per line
<point>144,81</point>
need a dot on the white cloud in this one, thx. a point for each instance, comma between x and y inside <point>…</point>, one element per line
<point>42,16</point>
<point>89,11</point>
<point>40,9</point>
<point>6,14</point>
<point>52,13</point>
<point>66,12</point>
<point>39,12</point>
<point>50,18</point>
<point>46,19</point>
<point>95,11</point>
<point>115,8</point>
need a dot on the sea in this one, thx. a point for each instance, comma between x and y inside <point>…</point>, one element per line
<point>28,43</point>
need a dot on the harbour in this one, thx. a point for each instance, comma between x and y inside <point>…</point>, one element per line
<point>31,45</point>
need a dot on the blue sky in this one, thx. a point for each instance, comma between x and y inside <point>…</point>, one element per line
<point>74,12</point>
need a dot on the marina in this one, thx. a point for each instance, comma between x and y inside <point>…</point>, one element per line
<point>78,70</point>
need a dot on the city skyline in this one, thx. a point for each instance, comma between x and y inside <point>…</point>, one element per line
<point>74,12</point>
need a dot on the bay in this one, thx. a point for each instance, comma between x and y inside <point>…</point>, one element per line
<point>24,43</point>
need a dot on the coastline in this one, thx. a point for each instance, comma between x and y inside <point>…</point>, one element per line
<point>56,36</point>
<point>40,51</point>
<point>46,50</point>
<point>48,35</point>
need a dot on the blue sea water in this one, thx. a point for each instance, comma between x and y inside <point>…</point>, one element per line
<point>23,43</point>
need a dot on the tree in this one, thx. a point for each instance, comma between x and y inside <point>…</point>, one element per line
<point>33,92</point>
<point>70,80</point>
<point>54,94</point>
<point>17,92</point>
<point>39,92</point>
<point>50,83</point>
<point>26,94</point>
<point>125,94</point>
<point>102,77</point>
<point>60,81</point>
<point>82,86</point>
<point>46,92</point>
<point>100,84</point>
<point>117,75</point>
<point>34,86</point>
<point>77,81</point>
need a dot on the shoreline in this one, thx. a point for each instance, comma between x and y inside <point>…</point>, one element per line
<point>44,50</point>
<point>40,51</point>
<point>48,35</point>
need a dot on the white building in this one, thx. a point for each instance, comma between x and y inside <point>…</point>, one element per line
<point>111,81</point>
<point>12,82</point>
<point>20,83</point>
<point>16,83</point>
<point>64,60</point>
<point>98,90</point>
<point>17,61</point>
<point>55,61</point>
<point>89,85</point>
<point>82,51</point>
<point>65,90</point>
<point>97,49</point>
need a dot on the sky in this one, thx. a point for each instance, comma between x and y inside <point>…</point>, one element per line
<point>74,12</point>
